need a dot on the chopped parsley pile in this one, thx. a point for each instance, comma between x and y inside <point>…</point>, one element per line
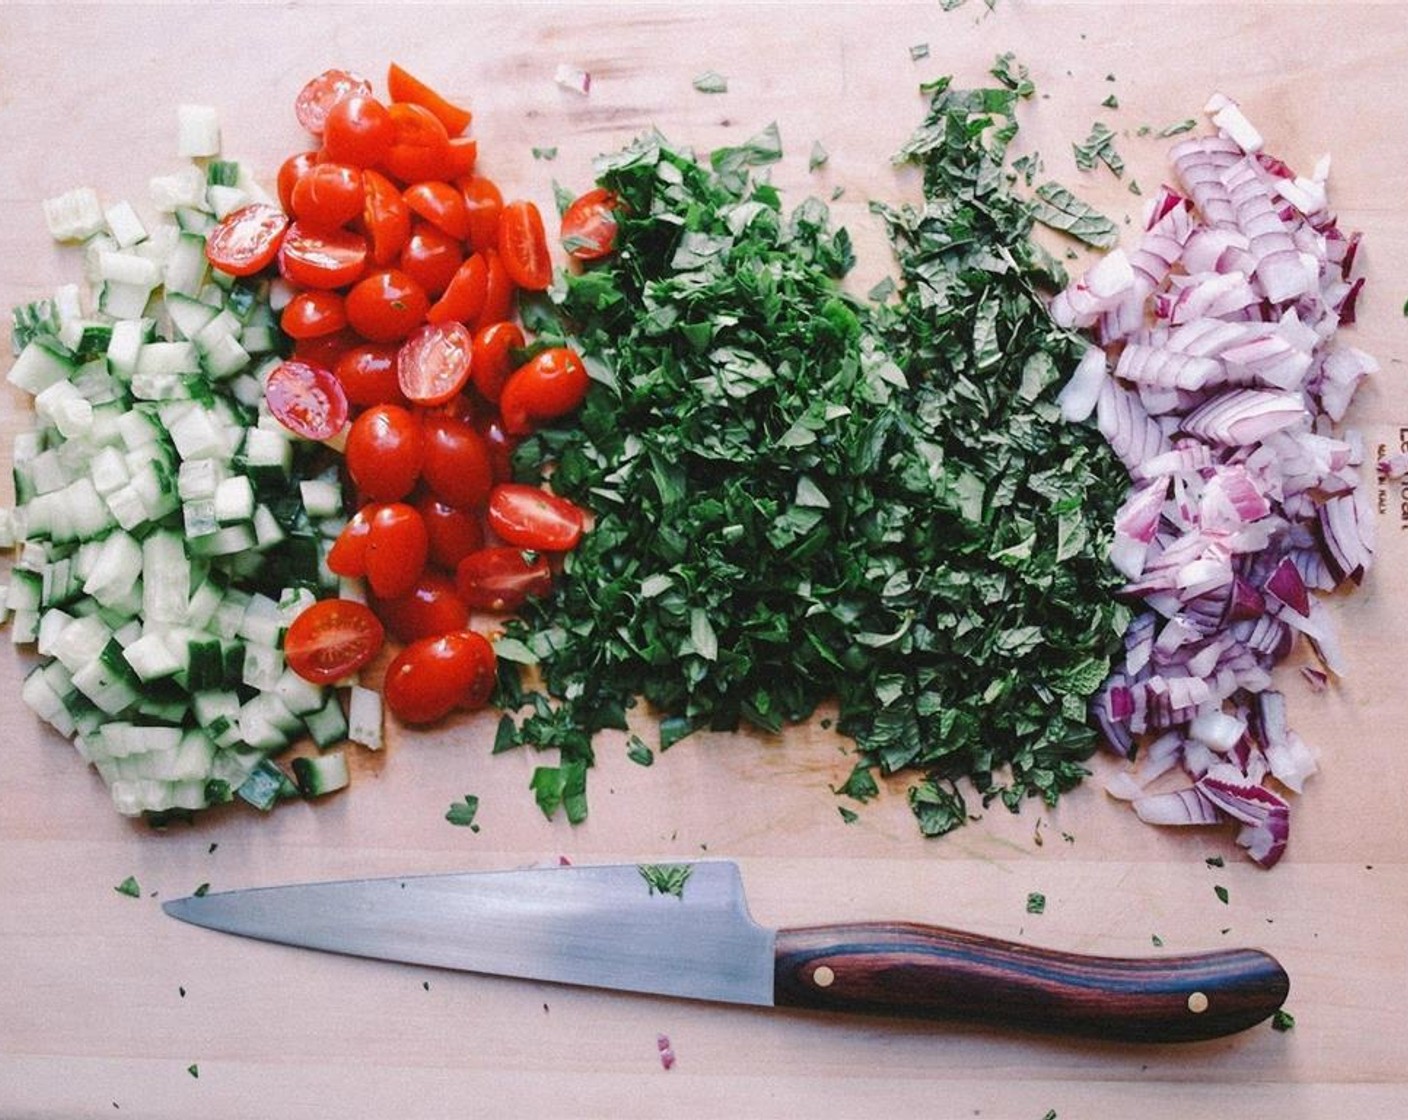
<point>801,495</point>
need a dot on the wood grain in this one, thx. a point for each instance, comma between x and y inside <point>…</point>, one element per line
<point>106,1002</point>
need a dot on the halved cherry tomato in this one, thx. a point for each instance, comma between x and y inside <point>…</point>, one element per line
<point>523,244</point>
<point>433,364</point>
<point>463,300</point>
<point>348,554</point>
<point>432,606</point>
<point>358,131</point>
<point>589,225</point>
<point>307,400</point>
<point>386,305</point>
<point>403,87</point>
<point>290,171</point>
<point>456,466</point>
<point>384,452</point>
<point>500,293</point>
<point>421,148</point>
<point>432,256</point>
<point>461,156</point>
<point>313,314</point>
<point>454,532</point>
<point>501,446</point>
<point>328,195</point>
<point>432,677</point>
<point>368,374</point>
<point>325,349</point>
<point>397,549</point>
<point>322,259</point>
<point>530,517</point>
<point>483,204</point>
<point>247,240</point>
<point>550,384</point>
<point>441,205</point>
<point>501,578</point>
<point>492,360</point>
<point>319,95</point>
<point>386,217</point>
<point>332,639</point>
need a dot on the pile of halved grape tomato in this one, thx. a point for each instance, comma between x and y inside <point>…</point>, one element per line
<point>403,266</point>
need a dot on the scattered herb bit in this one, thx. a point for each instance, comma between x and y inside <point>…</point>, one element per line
<point>882,290</point>
<point>918,52</point>
<point>666,878</point>
<point>1215,861</point>
<point>202,890</point>
<point>562,787</point>
<point>545,153</point>
<point>837,191</point>
<point>1036,903</point>
<point>1174,129</point>
<point>1221,893</point>
<point>1158,941</point>
<point>425,985</point>
<point>1012,74</point>
<point>711,81</point>
<point>1134,187</point>
<point>193,1070</point>
<point>211,850</point>
<point>1050,1114</point>
<point>850,816</point>
<point>638,752</point>
<point>829,498</point>
<point>182,991</point>
<point>1282,1020</point>
<point>1028,167</point>
<point>1068,838</point>
<point>1405,307</point>
<point>1059,209</point>
<point>1111,102</point>
<point>130,887</point>
<point>506,734</point>
<point>462,813</point>
<point>818,157</point>
<point>1109,77</point>
<point>1099,147</point>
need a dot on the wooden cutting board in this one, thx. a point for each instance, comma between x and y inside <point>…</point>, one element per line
<point>109,1008</point>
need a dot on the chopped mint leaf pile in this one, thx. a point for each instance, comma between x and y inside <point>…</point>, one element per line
<point>800,496</point>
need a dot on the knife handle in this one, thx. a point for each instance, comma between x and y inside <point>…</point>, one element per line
<point>911,970</point>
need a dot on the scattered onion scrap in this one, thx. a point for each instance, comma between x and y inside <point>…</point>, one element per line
<point>1220,382</point>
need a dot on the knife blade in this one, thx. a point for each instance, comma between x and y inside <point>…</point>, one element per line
<point>610,926</point>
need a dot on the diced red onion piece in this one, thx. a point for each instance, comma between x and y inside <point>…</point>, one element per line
<point>1177,807</point>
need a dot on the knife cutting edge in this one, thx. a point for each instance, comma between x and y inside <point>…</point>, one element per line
<point>608,926</point>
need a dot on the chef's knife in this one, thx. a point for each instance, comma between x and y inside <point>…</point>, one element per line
<point>685,930</point>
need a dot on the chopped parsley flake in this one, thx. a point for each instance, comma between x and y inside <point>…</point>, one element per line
<point>193,1070</point>
<point>666,878</point>
<point>850,816</point>
<point>1036,903</point>
<point>462,813</point>
<point>1282,1020</point>
<point>130,887</point>
<point>1158,941</point>
<point>1221,892</point>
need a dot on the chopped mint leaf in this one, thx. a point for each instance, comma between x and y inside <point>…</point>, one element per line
<point>666,878</point>
<point>638,752</point>
<point>202,890</point>
<point>1221,893</point>
<point>1111,102</point>
<point>1158,941</point>
<point>1036,903</point>
<point>850,816</point>
<point>462,813</point>
<point>130,887</point>
<point>818,157</point>
<point>918,52</point>
<point>1282,1020</point>
<point>1099,147</point>
<point>1059,209</point>
<point>1174,129</point>
<point>545,153</point>
<point>193,1070</point>
<point>1214,861</point>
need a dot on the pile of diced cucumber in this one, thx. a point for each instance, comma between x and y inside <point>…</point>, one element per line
<point>166,528</point>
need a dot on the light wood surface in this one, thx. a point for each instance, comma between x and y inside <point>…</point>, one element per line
<point>105,1002</point>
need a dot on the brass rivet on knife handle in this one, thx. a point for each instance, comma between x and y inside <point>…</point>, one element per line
<point>905,969</point>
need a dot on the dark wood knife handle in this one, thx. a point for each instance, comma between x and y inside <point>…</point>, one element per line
<point>903,969</point>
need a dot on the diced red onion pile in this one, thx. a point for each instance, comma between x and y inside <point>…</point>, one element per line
<point>1220,383</point>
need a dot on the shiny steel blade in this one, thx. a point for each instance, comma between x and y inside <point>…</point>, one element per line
<point>601,926</point>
